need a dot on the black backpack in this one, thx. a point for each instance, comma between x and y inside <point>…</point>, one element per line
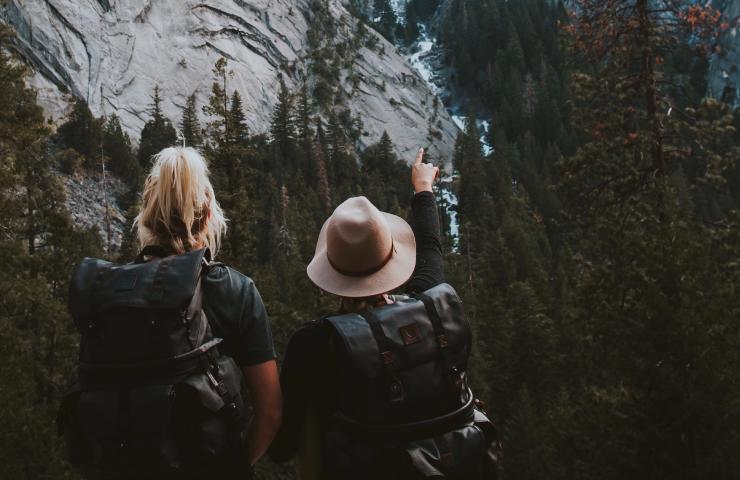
<point>405,410</point>
<point>153,399</point>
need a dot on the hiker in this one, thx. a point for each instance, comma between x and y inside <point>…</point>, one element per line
<point>379,389</point>
<point>167,343</point>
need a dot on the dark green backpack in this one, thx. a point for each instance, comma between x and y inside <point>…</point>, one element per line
<point>405,410</point>
<point>154,399</point>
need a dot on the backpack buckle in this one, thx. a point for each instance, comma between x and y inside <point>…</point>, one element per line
<point>396,391</point>
<point>219,386</point>
<point>230,408</point>
<point>457,379</point>
<point>213,380</point>
<point>387,357</point>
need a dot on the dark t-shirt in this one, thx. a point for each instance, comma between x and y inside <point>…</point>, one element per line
<point>310,374</point>
<point>236,313</point>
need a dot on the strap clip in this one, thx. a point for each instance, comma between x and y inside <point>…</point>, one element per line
<point>395,389</point>
<point>387,357</point>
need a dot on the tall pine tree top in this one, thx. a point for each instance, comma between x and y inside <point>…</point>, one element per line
<point>190,125</point>
<point>158,132</point>
<point>282,126</point>
<point>238,132</point>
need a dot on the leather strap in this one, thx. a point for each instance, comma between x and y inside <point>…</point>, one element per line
<point>388,349</point>
<point>441,335</point>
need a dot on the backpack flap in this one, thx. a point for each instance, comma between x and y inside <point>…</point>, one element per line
<point>168,282</point>
<point>407,325</point>
<point>139,312</point>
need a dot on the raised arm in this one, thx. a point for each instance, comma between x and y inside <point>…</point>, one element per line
<point>429,270</point>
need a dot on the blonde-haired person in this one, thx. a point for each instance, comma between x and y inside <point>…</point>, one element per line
<point>179,213</point>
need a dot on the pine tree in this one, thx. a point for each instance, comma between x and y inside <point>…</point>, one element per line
<point>117,147</point>
<point>322,178</point>
<point>238,132</point>
<point>384,18</point>
<point>305,135</point>
<point>158,132</point>
<point>411,28</point>
<point>282,125</point>
<point>468,160</point>
<point>190,125</point>
<point>218,103</point>
<point>41,245</point>
<point>643,246</point>
<point>528,455</point>
<point>385,178</point>
<point>303,118</point>
<point>82,132</point>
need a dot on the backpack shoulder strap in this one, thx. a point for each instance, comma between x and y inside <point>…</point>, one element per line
<point>358,340</point>
<point>388,350</point>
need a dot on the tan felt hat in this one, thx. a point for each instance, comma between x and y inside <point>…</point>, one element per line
<point>362,251</point>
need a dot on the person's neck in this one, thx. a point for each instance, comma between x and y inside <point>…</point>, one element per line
<point>354,305</point>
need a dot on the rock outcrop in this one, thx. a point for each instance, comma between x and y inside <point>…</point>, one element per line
<point>113,52</point>
<point>92,203</point>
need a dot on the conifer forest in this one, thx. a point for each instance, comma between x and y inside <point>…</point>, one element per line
<point>591,222</point>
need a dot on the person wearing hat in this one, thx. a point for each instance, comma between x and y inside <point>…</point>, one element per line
<point>361,255</point>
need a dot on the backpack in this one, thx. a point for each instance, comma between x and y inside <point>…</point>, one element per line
<point>153,398</point>
<point>405,410</point>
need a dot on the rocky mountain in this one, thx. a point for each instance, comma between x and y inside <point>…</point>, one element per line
<point>112,53</point>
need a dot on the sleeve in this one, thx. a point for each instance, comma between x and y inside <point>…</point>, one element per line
<point>429,270</point>
<point>254,329</point>
<point>300,380</point>
<point>237,314</point>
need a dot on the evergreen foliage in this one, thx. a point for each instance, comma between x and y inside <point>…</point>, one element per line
<point>598,244</point>
<point>158,132</point>
<point>595,257</point>
<point>190,125</point>
<point>384,19</point>
<point>82,132</point>
<point>411,23</point>
<point>38,342</point>
<point>122,160</point>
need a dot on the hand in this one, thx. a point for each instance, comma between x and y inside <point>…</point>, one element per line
<point>263,386</point>
<point>423,174</point>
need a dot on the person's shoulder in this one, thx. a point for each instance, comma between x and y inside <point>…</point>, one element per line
<point>220,273</point>
<point>309,335</point>
<point>312,328</point>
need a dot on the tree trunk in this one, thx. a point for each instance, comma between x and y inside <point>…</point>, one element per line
<point>651,93</point>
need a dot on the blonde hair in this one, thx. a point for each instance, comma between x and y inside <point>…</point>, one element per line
<point>178,208</point>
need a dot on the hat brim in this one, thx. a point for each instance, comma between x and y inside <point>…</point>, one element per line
<point>392,275</point>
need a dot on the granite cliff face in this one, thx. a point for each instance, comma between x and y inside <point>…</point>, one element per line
<point>113,52</point>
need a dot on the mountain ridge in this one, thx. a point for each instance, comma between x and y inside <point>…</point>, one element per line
<point>113,53</point>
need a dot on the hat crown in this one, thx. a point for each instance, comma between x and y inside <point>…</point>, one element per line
<point>358,238</point>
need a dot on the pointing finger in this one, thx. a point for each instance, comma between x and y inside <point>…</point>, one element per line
<point>419,156</point>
